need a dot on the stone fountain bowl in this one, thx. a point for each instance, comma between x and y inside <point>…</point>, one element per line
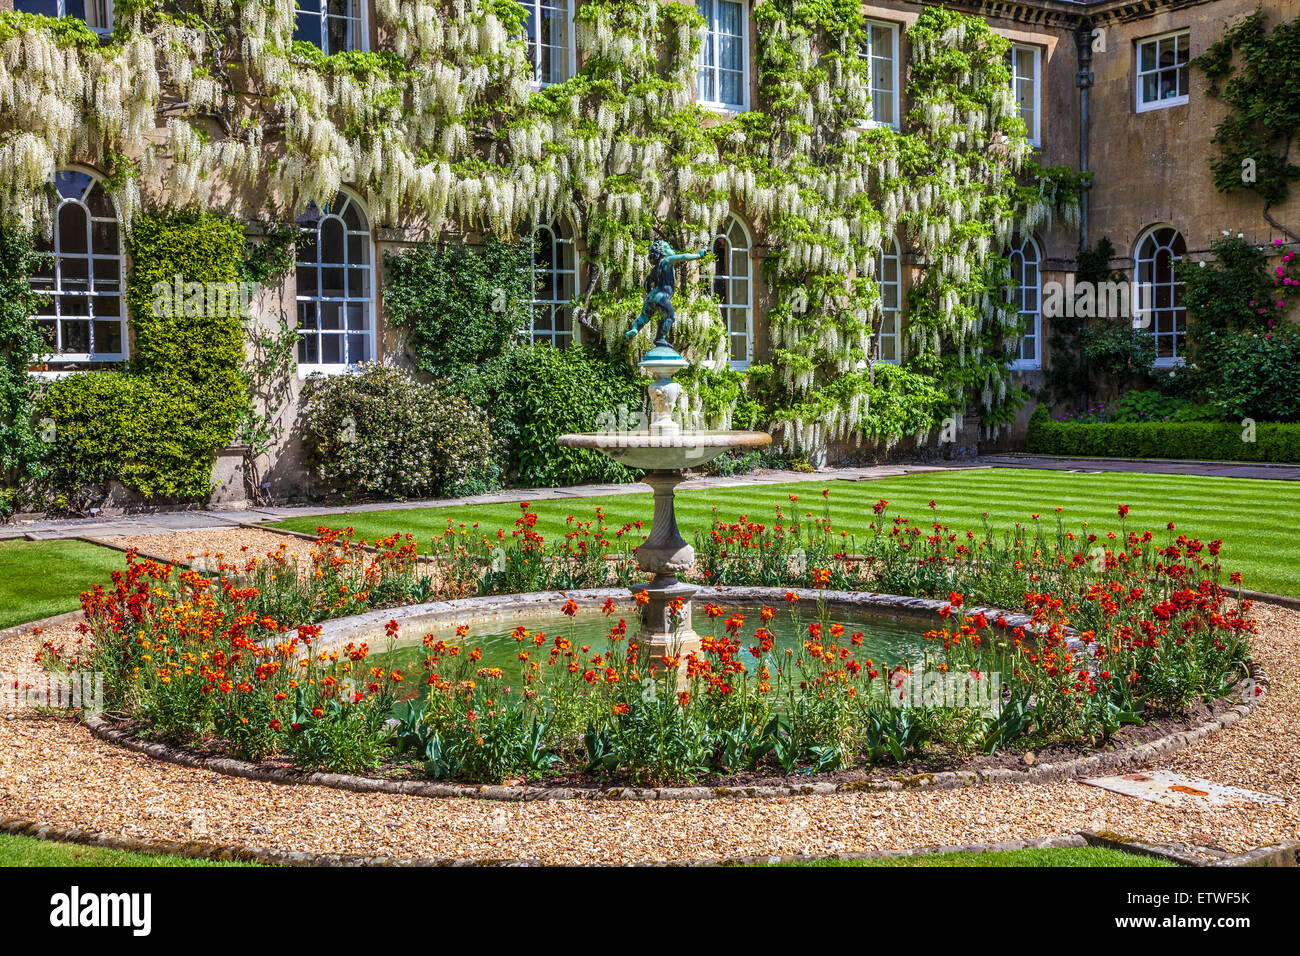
<point>665,450</point>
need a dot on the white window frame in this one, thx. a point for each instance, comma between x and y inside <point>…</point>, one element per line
<point>1145,288</point>
<point>61,8</point>
<point>889,252</point>
<point>868,53</point>
<point>535,48</point>
<point>734,282</point>
<point>1036,128</point>
<point>335,210</point>
<point>360,16</point>
<point>1185,36</point>
<point>1032,318</point>
<point>557,306</point>
<point>710,36</point>
<point>55,292</point>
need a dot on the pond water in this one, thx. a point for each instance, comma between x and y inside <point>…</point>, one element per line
<point>885,640</point>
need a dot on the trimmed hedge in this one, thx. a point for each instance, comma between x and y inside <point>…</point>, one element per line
<point>1210,441</point>
<point>156,425</point>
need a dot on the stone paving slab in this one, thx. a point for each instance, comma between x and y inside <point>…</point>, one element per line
<point>1176,789</point>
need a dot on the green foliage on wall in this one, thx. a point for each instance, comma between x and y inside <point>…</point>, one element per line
<point>21,449</point>
<point>446,128</point>
<point>461,306</point>
<point>1231,293</point>
<point>1253,71</point>
<point>156,425</point>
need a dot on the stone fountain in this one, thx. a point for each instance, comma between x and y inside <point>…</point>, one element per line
<point>664,450</point>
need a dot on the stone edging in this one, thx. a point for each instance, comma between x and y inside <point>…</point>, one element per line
<point>342,629</point>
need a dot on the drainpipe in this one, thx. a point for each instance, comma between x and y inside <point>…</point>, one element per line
<point>1083,80</point>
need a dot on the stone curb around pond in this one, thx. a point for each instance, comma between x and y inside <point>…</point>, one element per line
<point>342,629</point>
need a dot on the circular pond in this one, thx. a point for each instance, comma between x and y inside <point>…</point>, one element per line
<point>883,639</point>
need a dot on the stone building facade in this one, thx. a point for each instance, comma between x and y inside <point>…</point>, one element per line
<point>1103,86</point>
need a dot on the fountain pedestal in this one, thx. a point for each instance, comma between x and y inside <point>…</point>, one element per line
<point>665,554</point>
<point>664,450</point>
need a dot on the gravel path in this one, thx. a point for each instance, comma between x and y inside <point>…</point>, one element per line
<point>53,772</point>
<point>217,545</point>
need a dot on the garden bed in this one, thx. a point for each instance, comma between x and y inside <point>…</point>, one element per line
<point>1129,747</point>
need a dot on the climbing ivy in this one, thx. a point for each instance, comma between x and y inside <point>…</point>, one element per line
<point>21,450</point>
<point>1252,71</point>
<point>446,128</point>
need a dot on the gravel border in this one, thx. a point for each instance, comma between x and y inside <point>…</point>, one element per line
<point>343,629</point>
<point>197,850</point>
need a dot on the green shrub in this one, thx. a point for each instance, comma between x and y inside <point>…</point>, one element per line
<point>20,343</point>
<point>380,432</point>
<point>156,426</point>
<point>134,429</point>
<point>1259,377</point>
<point>547,392</point>
<point>1212,441</point>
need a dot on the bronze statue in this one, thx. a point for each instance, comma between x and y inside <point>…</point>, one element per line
<point>659,287</point>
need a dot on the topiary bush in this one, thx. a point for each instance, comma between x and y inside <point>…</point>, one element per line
<point>378,432</point>
<point>156,426</point>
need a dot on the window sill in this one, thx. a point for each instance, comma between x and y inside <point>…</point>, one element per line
<point>1175,362</point>
<point>305,370</point>
<point>1023,365</point>
<point>1161,104</point>
<point>740,366</point>
<point>725,109</point>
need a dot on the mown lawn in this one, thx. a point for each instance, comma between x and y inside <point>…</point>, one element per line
<point>1258,520</point>
<point>28,851</point>
<point>1086,856</point>
<point>42,578</point>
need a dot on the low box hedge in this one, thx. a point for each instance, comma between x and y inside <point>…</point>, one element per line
<point>1208,441</point>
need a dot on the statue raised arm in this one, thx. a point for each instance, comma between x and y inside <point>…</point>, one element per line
<point>659,287</point>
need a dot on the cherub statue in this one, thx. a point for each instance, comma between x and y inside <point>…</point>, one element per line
<point>659,286</point>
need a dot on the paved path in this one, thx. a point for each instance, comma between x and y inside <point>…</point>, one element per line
<point>1216,469</point>
<point>177,521</point>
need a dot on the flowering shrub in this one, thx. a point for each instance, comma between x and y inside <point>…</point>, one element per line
<point>379,432</point>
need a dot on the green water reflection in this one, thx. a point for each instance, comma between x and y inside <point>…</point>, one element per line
<point>884,640</point>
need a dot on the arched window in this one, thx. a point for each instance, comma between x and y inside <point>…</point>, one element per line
<point>888,276</point>
<point>84,319</point>
<point>1026,297</point>
<point>733,285</point>
<point>548,28</point>
<point>336,308</point>
<point>555,284</point>
<point>1159,309</point>
<point>335,26</point>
